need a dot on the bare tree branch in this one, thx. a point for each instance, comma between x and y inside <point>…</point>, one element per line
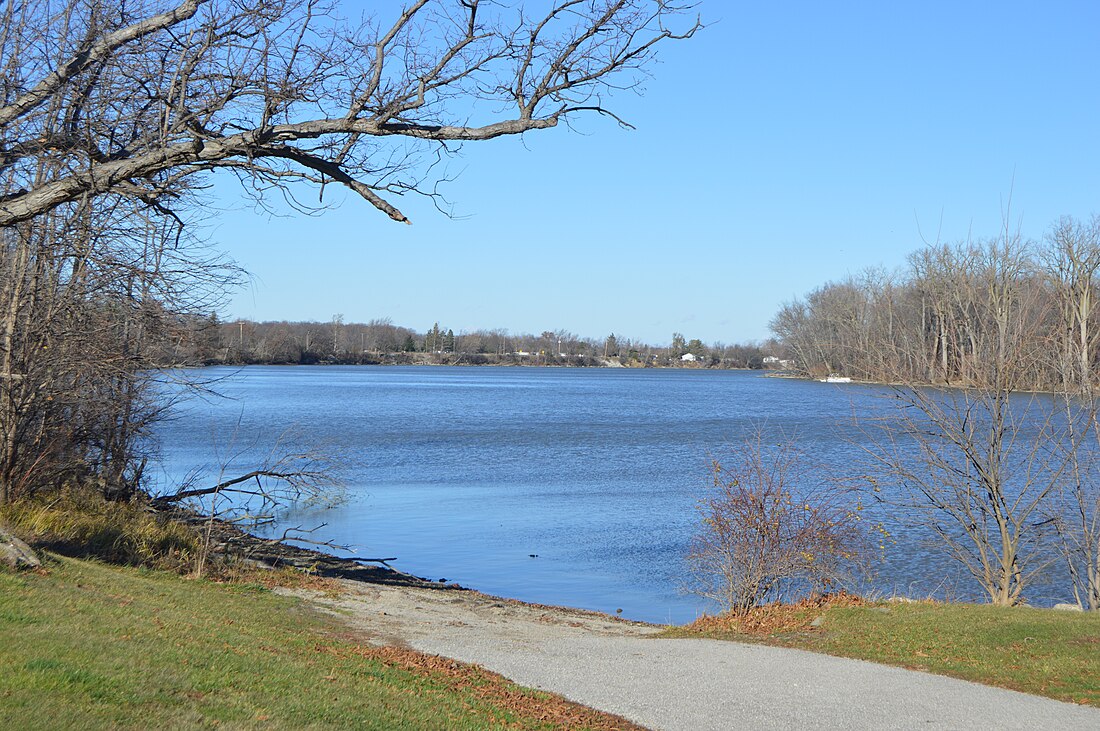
<point>147,96</point>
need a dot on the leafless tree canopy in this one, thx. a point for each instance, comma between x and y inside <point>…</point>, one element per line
<point>138,98</point>
<point>955,311</point>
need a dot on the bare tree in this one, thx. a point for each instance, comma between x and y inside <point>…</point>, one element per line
<point>770,525</point>
<point>1074,513</point>
<point>337,334</point>
<point>89,298</point>
<point>134,100</point>
<point>977,469</point>
<point>991,470</point>
<point>1072,260</point>
<point>976,462</point>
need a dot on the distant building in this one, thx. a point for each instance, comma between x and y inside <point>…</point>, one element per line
<point>688,357</point>
<point>774,361</point>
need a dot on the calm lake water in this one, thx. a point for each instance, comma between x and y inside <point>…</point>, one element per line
<point>466,473</point>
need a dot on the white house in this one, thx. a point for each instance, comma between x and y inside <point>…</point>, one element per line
<point>688,357</point>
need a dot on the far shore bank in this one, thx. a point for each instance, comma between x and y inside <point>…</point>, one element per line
<point>448,363</point>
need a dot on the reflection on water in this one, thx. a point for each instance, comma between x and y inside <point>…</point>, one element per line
<point>560,486</point>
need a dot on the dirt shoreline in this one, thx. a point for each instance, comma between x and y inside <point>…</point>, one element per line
<point>355,576</point>
<point>410,616</point>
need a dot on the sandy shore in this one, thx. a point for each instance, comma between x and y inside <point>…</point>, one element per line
<point>405,616</point>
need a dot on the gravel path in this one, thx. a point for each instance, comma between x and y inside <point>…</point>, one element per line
<point>684,684</point>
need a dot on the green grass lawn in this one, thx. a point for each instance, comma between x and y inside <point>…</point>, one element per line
<point>1039,651</point>
<point>90,645</point>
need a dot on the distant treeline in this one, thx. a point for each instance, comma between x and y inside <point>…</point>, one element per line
<point>955,311</point>
<point>211,341</point>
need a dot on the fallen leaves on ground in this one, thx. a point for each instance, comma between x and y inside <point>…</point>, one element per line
<point>777,617</point>
<point>496,689</point>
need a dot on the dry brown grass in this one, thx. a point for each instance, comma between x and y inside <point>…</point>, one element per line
<point>286,577</point>
<point>81,523</point>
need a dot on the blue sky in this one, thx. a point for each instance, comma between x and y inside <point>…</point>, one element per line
<point>787,145</point>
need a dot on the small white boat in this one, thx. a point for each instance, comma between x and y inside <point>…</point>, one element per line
<point>833,378</point>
